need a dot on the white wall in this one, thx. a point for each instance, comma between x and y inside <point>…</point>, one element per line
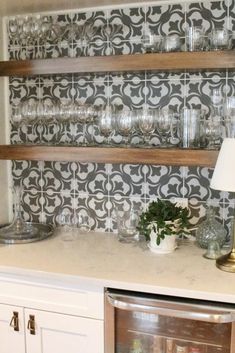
<point>5,195</point>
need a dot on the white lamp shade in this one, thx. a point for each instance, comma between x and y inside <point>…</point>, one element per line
<point>224,173</point>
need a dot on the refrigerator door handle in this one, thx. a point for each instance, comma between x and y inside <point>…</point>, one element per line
<point>216,316</point>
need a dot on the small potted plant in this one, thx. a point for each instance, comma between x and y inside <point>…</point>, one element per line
<point>160,224</point>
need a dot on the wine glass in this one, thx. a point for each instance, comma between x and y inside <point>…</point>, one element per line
<point>124,124</point>
<point>106,122</point>
<point>65,118</point>
<point>13,30</point>
<point>17,119</point>
<point>29,113</point>
<point>146,122</point>
<point>164,125</point>
<point>217,101</point>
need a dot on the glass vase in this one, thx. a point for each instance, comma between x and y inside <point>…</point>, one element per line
<point>210,230</point>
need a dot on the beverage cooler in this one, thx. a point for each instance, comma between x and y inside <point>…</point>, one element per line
<point>140,323</point>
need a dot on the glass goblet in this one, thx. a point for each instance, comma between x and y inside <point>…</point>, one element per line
<point>164,125</point>
<point>106,123</point>
<point>17,119</point>
<point>124,125</point>
<point>146,122</point>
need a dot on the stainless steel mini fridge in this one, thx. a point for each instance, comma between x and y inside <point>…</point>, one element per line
<point>141,323</point>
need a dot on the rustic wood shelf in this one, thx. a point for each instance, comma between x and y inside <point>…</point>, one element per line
<point>180,157</point>
<point>179,61</point>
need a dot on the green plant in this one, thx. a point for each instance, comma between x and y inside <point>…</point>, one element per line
<point>164,218</point>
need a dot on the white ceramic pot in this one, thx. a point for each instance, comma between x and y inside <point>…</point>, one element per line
<point>166,245</point>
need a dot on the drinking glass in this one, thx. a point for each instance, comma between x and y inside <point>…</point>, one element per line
<point>146,122</point>
<point>217,102</point>
<point>164,125</point>
<point>189,128</point>
<point>127,221</point>
<point>84,115</point>
<point>29,113</point>
<point>125,125</point>
<point>213,131</point>
<point>13,30</point>
<point>64,222</point>
<point>229,117</point>
<point>195,38</point>
<point>220,39</point>
<point>82,220</point>
<point>106,123</point>
<point>65,117</point>
<point>17,119</point>
<point>148,40</point>
<point>171,43</point>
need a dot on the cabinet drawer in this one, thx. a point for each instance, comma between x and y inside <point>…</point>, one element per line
<point>63,298</point>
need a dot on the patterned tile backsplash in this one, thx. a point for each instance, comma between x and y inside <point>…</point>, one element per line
<point>50,186</point>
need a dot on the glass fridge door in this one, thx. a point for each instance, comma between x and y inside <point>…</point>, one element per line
<point>143,327</point>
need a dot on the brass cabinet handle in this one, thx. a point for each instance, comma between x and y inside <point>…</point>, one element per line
<point>31,325</point>
<point>15,321</point>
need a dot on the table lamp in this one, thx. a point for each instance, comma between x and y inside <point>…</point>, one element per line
<point>223,179</point>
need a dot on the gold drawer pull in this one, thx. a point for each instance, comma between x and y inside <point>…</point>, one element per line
<point>15,321</point>
<point>31,325</point>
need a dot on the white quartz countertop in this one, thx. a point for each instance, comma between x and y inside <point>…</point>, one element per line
<point>100,259</point>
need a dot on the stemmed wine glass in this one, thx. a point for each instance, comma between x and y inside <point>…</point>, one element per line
<point>164,125</point>
<point>106,123</point>
<point>13,30</point>
<point>29,113</point>
<point>146,122</point>
<point>17,119</point>
<point>125,124</point>
<point>217,102</point>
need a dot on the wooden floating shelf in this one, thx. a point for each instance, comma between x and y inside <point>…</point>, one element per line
<point>115,155</point>
<point>179,61</point>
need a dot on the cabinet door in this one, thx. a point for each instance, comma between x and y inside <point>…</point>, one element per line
<point>62,333</point>
<point>11,329</point>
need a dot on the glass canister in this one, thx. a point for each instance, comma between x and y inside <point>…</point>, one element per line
<point>210,229</point>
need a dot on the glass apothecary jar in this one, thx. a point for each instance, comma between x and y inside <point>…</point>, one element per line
<point>210,230</point>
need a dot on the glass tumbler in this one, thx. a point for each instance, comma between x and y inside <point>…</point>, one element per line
<point>195,38</point>
<point>189,128</point>
<point>127,222</point>
<point>220,39</point>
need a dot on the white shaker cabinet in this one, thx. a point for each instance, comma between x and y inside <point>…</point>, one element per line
<point>46,317</point>
<point>48,332</point>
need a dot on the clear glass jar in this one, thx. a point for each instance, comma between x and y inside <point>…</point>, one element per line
<point>210,229</point>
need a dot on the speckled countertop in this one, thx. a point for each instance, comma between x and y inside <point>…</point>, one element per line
<point>100,259</point>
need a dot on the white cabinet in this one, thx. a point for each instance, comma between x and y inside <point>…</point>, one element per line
<point>62,333</point>
<point>50,318</point>
<point>12,337</point>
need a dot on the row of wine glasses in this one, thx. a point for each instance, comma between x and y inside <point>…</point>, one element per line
<point>33,112</point>
<point>31,31</point>
<point>189,128</point>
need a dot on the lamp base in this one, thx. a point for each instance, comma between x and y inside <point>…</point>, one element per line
<point>227,262</point>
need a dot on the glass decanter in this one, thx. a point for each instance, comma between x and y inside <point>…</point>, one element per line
<point>210,230</point>
<point>18,229</point>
